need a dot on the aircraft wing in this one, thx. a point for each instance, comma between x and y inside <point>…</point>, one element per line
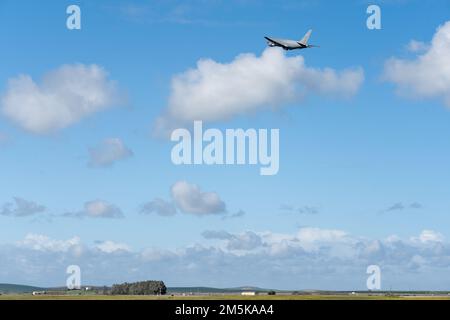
<point>276,42</point>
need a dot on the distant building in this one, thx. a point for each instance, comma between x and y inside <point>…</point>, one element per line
<point>38,293</point>
<point>248,293</point>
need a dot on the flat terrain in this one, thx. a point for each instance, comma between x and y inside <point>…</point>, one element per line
<point>222,297</point>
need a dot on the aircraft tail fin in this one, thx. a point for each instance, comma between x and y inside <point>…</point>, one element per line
<point>306,38</point>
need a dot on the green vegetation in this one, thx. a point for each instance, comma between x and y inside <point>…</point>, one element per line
<point>140,288</point>
<point>206,290</point>
<point>6,288</point>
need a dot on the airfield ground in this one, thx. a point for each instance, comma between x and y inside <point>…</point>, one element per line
<point>224,297</point>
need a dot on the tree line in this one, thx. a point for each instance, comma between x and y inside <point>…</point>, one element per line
<point>139,288</point>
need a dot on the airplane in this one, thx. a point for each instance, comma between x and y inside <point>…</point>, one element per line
<point>291,44</point>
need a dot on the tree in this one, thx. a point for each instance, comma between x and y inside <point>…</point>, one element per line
<point>139,288</point>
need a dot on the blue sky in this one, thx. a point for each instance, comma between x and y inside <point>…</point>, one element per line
<point>372,164</point>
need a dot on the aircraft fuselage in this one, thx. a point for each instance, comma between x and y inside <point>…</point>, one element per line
<point>285,44</point>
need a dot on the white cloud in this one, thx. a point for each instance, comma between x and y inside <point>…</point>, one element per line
<point>21,208</point>
<point>112,247</point>
<point>218,91</point>
<point>108,152</point>
<point>155,254</point>
<point>63,97</point>
<point>310,258</point>
<point>320,235</point>
<point>44,243</point>
<point>160,207</point>
<point>189,198</point>
<point>429,236</point>
<point>97,209</point>
<point>417,46</point>
<point>333,243</point>
<point>245,241</point>
<point>426,76</point>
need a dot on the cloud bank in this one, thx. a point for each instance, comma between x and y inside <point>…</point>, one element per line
<point>311,258</point>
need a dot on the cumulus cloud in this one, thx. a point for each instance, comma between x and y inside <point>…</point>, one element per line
<point>40,242</point>
<point>308,239</point>
<point>426,76</point>
<point>108,152</point>
<point>216,91</point>
<point>160,207</point>
<point>317,235</point>
<point>189,198</point>
<point>112,247</point>
<point>21,208</point>
<point>245,241</point>
<point>97,209</point>
<point>157,255</point>
<point>63,97</point>
<point>429,236</point>
<point>417,46</point>
<point>309,258</point>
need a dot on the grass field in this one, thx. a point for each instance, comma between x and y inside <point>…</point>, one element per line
<point>221,297</point>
